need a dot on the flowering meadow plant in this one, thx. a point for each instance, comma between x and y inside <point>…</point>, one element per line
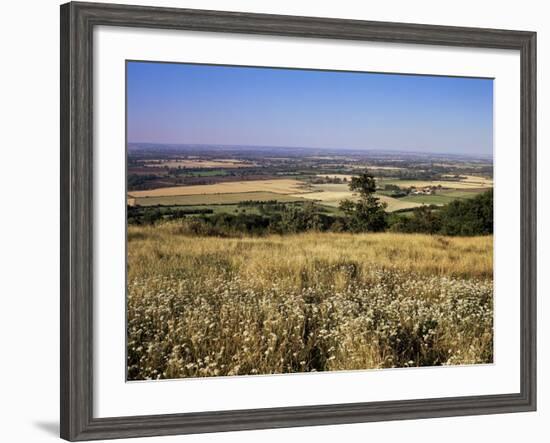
<point>210,306</point>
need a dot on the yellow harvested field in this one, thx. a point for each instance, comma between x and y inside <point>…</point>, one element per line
<point>480,181</point>
<point>330,194</point>
<point>278,186</point>
<point>483,181</point>
<point>333,198</point>
<point>395,204</point>
<point>197,163</point>
<point>331,187</point>
<point>330,198</point>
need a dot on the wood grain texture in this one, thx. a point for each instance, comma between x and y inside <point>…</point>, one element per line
<point>76,307</point>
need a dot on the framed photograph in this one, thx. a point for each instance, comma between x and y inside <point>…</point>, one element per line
<point>273,221</point>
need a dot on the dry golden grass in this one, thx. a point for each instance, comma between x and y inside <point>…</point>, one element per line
<point>290,255</point>
<point>206,306</point>
<point>480,181</point>
<point>278,186</point>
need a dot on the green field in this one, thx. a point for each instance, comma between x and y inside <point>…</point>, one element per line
<point>464,193</point>
<point>447,184</point>
<point>214,199</point>
<point>442,197</point>
<point>203,173</point>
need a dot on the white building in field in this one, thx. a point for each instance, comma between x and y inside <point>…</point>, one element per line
<point>428,190</point>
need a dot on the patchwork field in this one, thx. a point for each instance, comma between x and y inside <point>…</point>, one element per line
<point>332,194</point>
<point>327,194</point>
<point>450,184</point>
<point>293,190</point>
<point>197,163</point>
<point>279,186</point>
<point>333,199</point>
<point>443,197</point>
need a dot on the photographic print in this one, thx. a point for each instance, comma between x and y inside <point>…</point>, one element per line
<point>285,220</point>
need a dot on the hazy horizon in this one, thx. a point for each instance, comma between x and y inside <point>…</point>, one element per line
<point>188,104</point>
<point>333,149</point>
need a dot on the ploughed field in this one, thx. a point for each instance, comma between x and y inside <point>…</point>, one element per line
<point>207,306</point>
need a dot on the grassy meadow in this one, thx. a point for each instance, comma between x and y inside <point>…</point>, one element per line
<point>213,306</point>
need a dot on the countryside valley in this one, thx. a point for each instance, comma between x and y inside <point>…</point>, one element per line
<point>263,260</point>
<point>259,190</point>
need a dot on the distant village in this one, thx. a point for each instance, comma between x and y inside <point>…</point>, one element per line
<point>428,190</point>
<point>398,192</point>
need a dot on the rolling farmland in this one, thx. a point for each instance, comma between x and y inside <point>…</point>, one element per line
<point>226,177</point>
<point>250,265</point>
<point>294,190</point>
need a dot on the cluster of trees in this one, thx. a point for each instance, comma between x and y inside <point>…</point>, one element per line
<point>365,214</point>
<point>137,215</point>
<point>320,180</point>
<point>140,181</point>
<point>290,220</point>
<point>245,203</point>
<point>460,217</point>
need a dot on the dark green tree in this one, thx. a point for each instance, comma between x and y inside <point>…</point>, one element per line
<point>468,217</point>
<point>367,214</point>
<point>424,220</point>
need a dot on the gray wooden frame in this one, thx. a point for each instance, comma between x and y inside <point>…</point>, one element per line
<point>77,24</point>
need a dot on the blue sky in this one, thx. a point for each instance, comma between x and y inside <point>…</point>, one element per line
<point>204,104</point>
